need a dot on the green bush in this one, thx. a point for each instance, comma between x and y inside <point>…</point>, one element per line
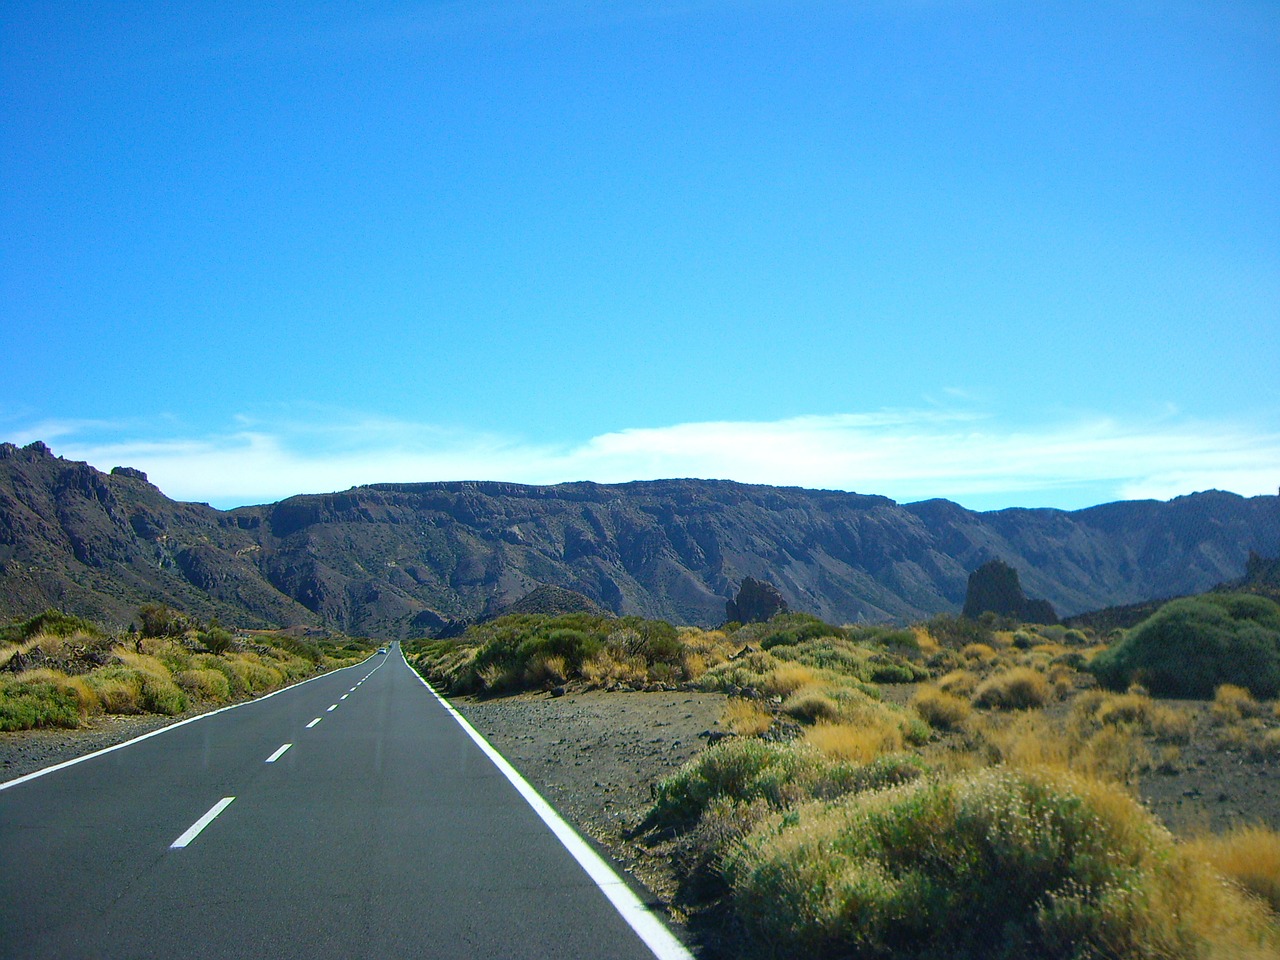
<point>997,865</point>
<point>25,706</point>
<point>216,639</point>
<point>1189,647</point>
<point>50,621</point>
<point>748,770</point>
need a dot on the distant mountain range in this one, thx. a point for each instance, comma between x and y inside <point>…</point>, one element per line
<point>393,560</point>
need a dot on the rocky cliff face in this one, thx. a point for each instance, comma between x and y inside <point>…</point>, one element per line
<point>398,559</point>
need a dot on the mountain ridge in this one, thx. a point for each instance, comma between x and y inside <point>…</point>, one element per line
<point>399,559</point>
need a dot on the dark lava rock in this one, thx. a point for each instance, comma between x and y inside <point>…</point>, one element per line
<point>756,602</point>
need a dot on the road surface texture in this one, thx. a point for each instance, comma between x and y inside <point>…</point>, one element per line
<point>349,816</point>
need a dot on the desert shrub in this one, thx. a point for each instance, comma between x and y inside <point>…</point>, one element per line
<point>994,864</point>
<point>1248,855</point>
<point>940,709</point>
<point>1189,647</point>
<point>740,770</point>
<point>1019,688</point>
<point>956,632</point>
<point>216,639</point>
<point>160,620</point>
<point>754,771</point>
<point>51,622</point>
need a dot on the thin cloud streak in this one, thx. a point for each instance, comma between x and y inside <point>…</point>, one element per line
<point>905,455</point>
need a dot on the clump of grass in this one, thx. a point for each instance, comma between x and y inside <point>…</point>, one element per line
<point>1248,855</point>
<point>811,705</point>
<point>1266,747</point>
<point>940,709</point>
<point>997,864</point>
<point>1018,688</point>
<point>746,718</point>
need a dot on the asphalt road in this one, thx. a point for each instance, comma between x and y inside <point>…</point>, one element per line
<point>383,831</point>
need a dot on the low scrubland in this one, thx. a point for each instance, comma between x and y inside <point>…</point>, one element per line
<point>61,671</point>
<point>987,809</point>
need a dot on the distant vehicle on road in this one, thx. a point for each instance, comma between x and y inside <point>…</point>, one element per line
<point>382,649</point>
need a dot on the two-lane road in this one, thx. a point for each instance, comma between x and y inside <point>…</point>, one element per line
<point>350,816</point>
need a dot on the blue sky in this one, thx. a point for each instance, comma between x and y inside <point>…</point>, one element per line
<point>999,252</point>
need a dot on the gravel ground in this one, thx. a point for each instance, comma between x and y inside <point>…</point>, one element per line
<point>27,751</point>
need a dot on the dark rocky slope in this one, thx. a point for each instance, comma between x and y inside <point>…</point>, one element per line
<point>402,559</point>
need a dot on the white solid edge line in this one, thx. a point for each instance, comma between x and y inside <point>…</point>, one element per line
<point>193,831</point>
<point>173,726</point>
<point>648,928</point>
<point>279,753</point>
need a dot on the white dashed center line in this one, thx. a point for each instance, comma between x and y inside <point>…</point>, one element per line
<point>194,830</point>
<point>314,722</point>
<point>279,753</point>
<point>331,709</point>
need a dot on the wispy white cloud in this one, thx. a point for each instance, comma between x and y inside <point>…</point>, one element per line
<point>907,455</point>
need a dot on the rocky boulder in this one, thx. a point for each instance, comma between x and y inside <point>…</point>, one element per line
<point>756,602</point>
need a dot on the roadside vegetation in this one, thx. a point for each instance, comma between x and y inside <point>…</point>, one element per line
<point>58,670</point>
<point>986,809</point>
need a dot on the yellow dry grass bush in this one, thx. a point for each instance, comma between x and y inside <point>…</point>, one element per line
<point>811,704</point>
<point>940,709</point>
<point>746,718</point>
<point>546,670</point>
<point>142,662</point>
<point>858,742</point>
<point>695,664</point>
<point>1136,709</point>
<point>787,678</point>
<point>962,683</point>
<point>118,689</point>
<point>979,652</point>
<point>1049,649</point>
<point>1248,855</point>
<point>1017,688</point>
<point>924,641</point>
<point>205,684</point>
<point>606,667</point>
<point>1232,703</point>
<point>251,674</point>
<point>1030,740</point>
